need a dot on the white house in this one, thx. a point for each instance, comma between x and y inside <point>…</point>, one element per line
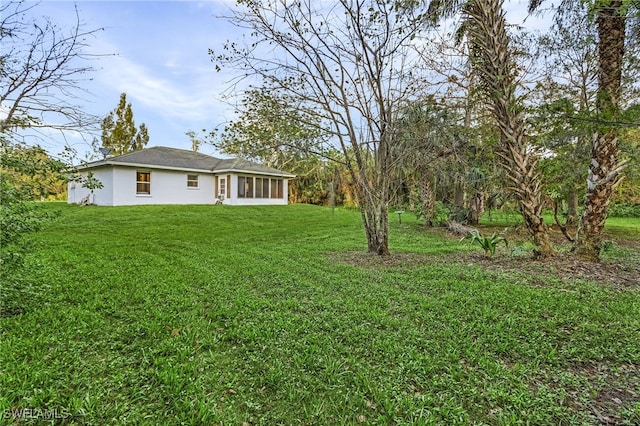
<point>161,175</point>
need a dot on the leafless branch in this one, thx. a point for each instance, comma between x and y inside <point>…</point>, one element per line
<point>40,70</point>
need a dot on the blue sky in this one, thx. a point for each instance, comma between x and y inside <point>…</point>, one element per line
<point>157,53</point>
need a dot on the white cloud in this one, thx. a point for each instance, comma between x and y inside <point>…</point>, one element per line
<point>183,86</point>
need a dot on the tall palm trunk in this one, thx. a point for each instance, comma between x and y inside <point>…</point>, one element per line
<point>492,59</point>
<point>604,168</point>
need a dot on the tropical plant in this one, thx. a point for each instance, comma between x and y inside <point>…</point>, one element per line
<point>488,244</point>
<point>91,183</point>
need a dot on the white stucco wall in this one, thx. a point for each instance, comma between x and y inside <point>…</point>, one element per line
<point>101,197</point>
<point>167,187</point>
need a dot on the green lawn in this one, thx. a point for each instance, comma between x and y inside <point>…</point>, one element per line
<point>242,315</point>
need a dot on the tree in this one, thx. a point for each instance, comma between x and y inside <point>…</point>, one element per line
<point>22,172</point>
<point>32,172</point>
<point>270,129</point>
<point>348,64</point>
<point>493,59</point>
<point>276,133</point>
<point>196,140</point>
<point>119,133</point>
<point>605,169</point>
<point>470,170</point>
<point>40,68</point>
<point>566,103</point>
<point>429,136</point>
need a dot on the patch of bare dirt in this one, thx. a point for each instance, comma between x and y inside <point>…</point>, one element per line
<point>622,272</point>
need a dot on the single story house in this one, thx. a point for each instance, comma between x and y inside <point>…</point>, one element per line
<point>161,175</point>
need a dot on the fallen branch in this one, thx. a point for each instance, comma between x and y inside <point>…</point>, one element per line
<point>460,229</point>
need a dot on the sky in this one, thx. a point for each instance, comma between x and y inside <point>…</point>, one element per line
<point>157,53</point>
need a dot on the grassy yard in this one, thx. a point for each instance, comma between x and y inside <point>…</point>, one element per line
<point>259,315</point>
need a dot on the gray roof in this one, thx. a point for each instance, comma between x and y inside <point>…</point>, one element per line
<point>161,157</point>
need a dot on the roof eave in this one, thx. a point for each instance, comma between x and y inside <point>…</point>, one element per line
<point>280,174</point>
<point>142,165</point>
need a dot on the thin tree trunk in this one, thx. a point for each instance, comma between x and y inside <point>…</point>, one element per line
<point>428,200</point>
<point>458,195</point>
<point>572,207</point>
<point>476,207</point>
<point>375,217</point>
<point>604,168</point>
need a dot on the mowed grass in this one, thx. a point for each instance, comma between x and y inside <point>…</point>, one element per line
<point>242,315</point>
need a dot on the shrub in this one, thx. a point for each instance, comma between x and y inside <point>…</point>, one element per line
<point>488,244</point>
<point>624,210</point>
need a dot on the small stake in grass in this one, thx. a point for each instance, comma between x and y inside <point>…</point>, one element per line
<point>488,244</point>
<point>399,213</point>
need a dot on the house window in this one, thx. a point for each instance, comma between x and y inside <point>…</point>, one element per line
<point>245,187</point>
<point>143,182</point>
<point>259,188</point>
<point>192,181</point>
<point>262,187</point>
<point>276,188</point>
<point>249,185</point>
<point>222,191</point>
<point>241,186</point>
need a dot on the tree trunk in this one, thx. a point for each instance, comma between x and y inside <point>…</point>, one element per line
<point>428,200</point>
<point>373,191</point>
<point>603,172</point>
<point>572,207</point>
<point>492,58</point>
<point>604,168</point>
<point>376,226</point>
<point>458,200</point>
<point>520,166</point>
<point>476,208</point>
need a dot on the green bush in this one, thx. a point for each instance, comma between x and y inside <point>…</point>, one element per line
<point>624,210</point>
<point>488,244</point>
<point>20,216</point>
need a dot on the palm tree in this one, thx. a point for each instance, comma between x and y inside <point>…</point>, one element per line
<point>604,166</point>
<point>485,27</point>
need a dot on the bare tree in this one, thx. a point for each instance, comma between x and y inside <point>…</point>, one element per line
<point>350,64</point>
<point>40,68</point>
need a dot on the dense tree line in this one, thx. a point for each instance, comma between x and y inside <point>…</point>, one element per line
<point>479,137</point>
